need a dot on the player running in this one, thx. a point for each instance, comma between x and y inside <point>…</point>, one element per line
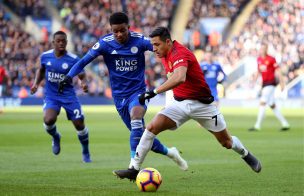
<point>123,53</point>
<point>268,68</point>
<point>212,72</point>
<point>55,64</point>
<point>192,100</point>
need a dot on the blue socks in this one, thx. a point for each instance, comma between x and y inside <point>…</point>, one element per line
<point>83,136</point>
<point>52,130</point>
<point>135,135</point>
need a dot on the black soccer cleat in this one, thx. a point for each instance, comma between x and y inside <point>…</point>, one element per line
<point>253,129</point>
<point>253,162</point>
<point>285,128</point>
<point>130,174</point>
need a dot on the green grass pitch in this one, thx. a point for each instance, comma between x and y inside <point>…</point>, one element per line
<point>28,167</point>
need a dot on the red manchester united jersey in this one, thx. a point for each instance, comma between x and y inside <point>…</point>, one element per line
<point>267,67</point>
<point>195,86</point>
<point>2,74</point>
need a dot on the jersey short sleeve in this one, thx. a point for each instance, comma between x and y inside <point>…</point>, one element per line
<point>147,44</point>
<point>178,60</point>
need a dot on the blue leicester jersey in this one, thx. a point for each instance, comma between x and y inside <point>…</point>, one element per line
<point>211,72</point>
<point>125,62</point>
<point>55,70</point>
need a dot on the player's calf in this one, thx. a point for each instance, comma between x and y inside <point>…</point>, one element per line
<point>83,136</point>
<point>52,130</point>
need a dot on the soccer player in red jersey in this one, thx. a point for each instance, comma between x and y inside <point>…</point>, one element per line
<point>3,79</point>
<point>3,76</point>
<point>268,69</point>
<point>192,100</point>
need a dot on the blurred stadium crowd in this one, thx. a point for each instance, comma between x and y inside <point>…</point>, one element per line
<point>279,22</point>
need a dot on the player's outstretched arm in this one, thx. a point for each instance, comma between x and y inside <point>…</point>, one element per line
<point>178,77</point>
<point>38,78</point>
<point>75,70</point>
<point>78,67</point>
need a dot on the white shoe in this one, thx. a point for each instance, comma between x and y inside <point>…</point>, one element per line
<point>174,154</point>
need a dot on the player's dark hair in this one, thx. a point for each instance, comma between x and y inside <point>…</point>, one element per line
<point>119,18</point>
<point>162,32</point>
<point>59,33</point>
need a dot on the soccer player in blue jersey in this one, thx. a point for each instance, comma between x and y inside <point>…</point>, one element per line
<point>55,64</point>
<point>123,53</point>
<point>213,71</point>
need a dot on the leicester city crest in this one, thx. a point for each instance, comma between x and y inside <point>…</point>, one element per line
<point>65,66</point>
<point>134,49</point>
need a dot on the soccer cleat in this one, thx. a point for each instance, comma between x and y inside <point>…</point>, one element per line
<point>56,144</point>
<point>130,174</point>
<point>253,162</point>
<point>176,157</point>
<point>285,128</point>
<point>86,158</point>
<point>253,129</point>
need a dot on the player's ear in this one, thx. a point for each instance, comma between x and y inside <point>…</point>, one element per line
<point>168,41</point>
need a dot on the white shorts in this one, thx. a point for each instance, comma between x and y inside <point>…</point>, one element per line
<point>267,95</point>
<point>207,115</point>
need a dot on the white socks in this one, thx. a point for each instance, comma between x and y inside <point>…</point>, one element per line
<point>83,132</point>
<point>143,148</point>
<point>170,153</point>
<point>49,127</point>
<point>131,163</point>
<point>261,115</point>
<point>238,147</point>
<point>277,113</point>
<point>281,118</point>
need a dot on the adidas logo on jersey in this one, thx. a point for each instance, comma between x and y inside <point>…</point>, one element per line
<point>114,52</point>
<point>49,63</point>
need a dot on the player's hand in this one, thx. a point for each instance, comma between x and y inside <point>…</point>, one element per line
<point>84,86</point>
<point>146,96</point>
<point>34,89</point>
<point>66,80</point>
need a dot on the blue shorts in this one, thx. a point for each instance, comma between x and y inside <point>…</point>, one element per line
<point>73,108</point>
<point>214,93</point>
<point>124,107</point>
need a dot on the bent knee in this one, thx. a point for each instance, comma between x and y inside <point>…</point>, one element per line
<point>151,127</point>
<point>154,128</point>
<point>79,124</point>
<point>49,121</point>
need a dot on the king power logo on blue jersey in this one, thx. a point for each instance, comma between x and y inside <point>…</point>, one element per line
<point>126,64</point>
<point>55,77</point>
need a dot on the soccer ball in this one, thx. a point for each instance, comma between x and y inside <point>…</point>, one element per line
<point>148,180</point>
